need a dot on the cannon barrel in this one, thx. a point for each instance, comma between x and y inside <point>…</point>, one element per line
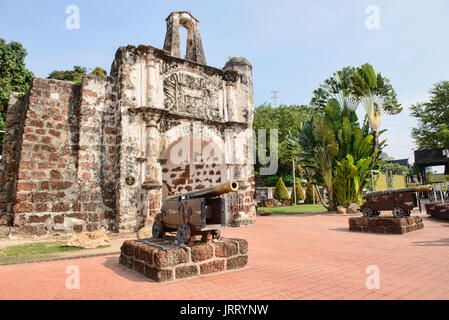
<point>405,190</point>
<point>217,190</point>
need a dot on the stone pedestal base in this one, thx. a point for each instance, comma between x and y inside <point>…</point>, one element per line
<point>164,260</point>
<point>438,209</point>
<point>386,225</point>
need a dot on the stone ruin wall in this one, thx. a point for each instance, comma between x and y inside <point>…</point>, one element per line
<point>58,169</point>
<point>71,149</point>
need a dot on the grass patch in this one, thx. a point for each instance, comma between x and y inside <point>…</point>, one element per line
<point>34,251</point>
<point>304,208</point>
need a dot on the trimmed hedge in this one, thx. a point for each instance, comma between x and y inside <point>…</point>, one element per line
<point>309,195</point>
<point>281,192</point>
<point>300,195</point>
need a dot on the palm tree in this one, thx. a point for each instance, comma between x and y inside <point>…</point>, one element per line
<point>377,97</point>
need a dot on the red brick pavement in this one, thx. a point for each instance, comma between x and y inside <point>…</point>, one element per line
<point>296,257</point>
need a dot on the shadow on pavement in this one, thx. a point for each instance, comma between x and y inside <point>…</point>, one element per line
<point>433,243</point>
<point>340,229</point>
<point>113,264</point>
<point>286,214</point>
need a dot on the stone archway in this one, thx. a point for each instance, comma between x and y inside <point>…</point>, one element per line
<point>194,158</point>
<point>187,169</point>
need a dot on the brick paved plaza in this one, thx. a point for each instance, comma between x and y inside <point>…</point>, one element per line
<point>291,257</point>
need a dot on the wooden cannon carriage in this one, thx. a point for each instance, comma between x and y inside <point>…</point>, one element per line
<point>400,201</point>
<point>200,212</point>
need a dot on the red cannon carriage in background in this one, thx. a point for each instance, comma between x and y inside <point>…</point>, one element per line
<point>400,201</point>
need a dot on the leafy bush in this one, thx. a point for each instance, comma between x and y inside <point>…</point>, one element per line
<point>288,180</point>
<point>281,192</point>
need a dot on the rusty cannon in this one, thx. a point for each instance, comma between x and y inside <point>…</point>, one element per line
<point>400,201</point>
<point>200,212</point>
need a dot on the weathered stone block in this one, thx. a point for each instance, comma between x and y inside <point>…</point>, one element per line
<point>170,258</point>
<point>226,249</point>
<point>139,266</point>
<point>186,272</point>
<point>158,275</point>
<point>382,222</point>
<point>123,260</point>
<point>237,262</point>
<point>355,228</point>
<point>38,219</point>
<point>396,230</point>
<point>146,254</point>
<point>202,252</point>
<point>41,231</point>
<point>212,267</point>
<point>128,248</point>
<point>400,222</point>
<point>376,229</point>
<point>352,221</point>
<point>27,230</point>
<point>243,246</point>
<point>411,220</point>
<point>130,262</point>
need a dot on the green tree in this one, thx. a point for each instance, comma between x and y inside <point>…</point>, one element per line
<point>395,168</point>
<point>75,75</point>
<point>364,85</point>
<point>377,96</point>
<point>281,192</point>
<point>99,72</point>
<point>336,87</point>
<point>349,84</point>
<point>282,118</point>
<point>433,119</point>
<point>337,151</point>
<point>14,77</point>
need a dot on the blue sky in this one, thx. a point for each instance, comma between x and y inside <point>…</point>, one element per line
<point>293,45</point>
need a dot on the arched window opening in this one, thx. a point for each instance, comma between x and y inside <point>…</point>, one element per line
<point>183,41</point>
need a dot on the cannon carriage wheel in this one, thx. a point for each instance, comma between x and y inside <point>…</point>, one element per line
<point>368,212</point>
<point>158,230</point>
<point>398,212</point>
<point>183,233</point>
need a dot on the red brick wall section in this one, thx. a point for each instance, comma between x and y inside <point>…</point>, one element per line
<point>97,149</point>
<point>59,166</point>
<point>44,189</point>
<point>10,157</point>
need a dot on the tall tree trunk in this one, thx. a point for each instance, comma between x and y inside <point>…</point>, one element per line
<point>374,155</point>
